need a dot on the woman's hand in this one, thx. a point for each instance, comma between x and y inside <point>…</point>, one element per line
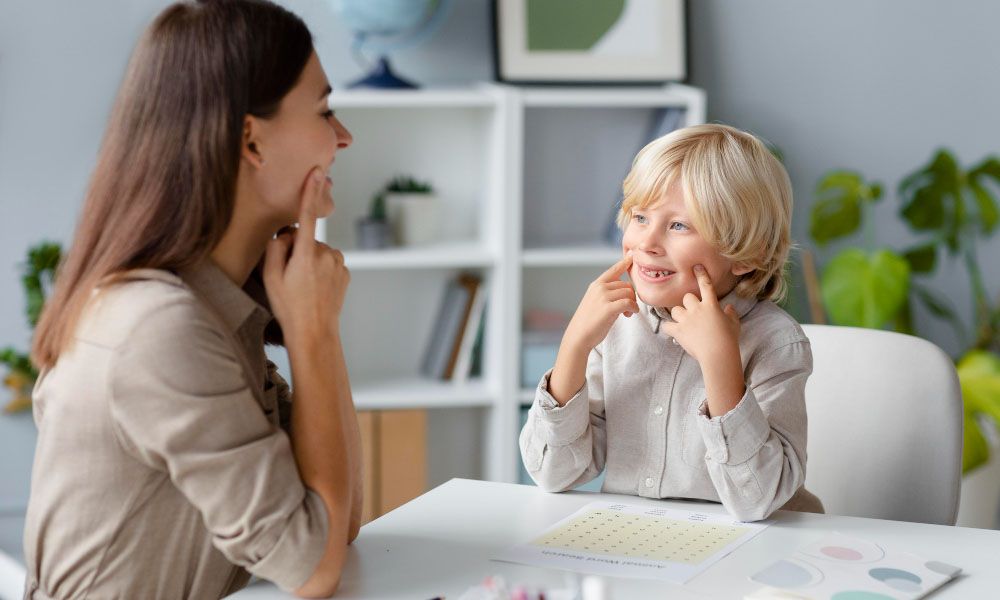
<point>306,280</point>
<point>606,298</point>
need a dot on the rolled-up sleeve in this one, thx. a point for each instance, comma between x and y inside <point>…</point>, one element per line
<point>565,446</point>
<point>181,404</point>
<point>756,453</point>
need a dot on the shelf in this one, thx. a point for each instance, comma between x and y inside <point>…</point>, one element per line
<point>572,256</point>
<point>492,150</point>
<point>441,256</point>
<point>669,95</point>
<point>459,97</point>
<point>420,393</point>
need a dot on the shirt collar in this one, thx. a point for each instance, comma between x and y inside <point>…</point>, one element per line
<point>236,306</point>
<point>654,314</point>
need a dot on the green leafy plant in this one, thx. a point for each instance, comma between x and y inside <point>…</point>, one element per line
<point>401,184</point>
<point>952,210</point>
<point>37,274</point>
<point>407,184</point>
<point>377,212</point>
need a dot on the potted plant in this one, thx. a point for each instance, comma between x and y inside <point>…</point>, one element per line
<point>373,229</point>
<point>412,209</point>
<point>37,274</point>
<point>953,210</point>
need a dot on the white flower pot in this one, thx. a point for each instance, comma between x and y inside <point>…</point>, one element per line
<point>414,217</point>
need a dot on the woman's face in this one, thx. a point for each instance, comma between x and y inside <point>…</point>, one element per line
<point>303,135</point>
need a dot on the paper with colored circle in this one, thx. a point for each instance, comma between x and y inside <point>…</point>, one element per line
<point>840,567</point>
<point>626,540</point>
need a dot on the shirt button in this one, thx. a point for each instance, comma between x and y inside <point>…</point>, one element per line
<point>658,411</point>
<point>649,482</point>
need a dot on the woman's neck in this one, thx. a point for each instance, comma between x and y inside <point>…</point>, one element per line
<point>237,255</point>
<point>244,241</point>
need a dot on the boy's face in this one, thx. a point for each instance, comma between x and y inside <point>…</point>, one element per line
<point>665,248</point>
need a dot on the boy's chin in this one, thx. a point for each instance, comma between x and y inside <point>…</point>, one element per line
<point>646,298</point>
<point>657,300</point>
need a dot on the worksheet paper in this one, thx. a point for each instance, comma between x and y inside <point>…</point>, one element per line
<point>625,540</point>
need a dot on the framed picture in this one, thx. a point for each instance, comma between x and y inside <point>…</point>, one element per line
<point>589,41</point>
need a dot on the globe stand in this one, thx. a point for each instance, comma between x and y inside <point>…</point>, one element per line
<point>381,76</point>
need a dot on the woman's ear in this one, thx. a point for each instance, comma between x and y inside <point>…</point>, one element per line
<point>251,147</point>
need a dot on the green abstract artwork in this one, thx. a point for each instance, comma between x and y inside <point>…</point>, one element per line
<point>570,25</point>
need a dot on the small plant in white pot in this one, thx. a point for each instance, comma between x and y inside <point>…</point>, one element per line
<point>373,228</point>
<point>413,211</point>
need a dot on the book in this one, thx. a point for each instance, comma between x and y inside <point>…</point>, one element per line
<point>463,366</point>
<point>445,330</point>
<point>476,368</point>
<point>471,285</point>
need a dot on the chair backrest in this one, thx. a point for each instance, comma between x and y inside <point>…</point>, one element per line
<point>885,426</point>
<point>12,575</point>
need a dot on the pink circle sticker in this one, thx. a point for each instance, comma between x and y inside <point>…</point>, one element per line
<point>841,553</point>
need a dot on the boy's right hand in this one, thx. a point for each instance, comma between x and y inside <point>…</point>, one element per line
<point>306,280</point>
<point>606,298</point>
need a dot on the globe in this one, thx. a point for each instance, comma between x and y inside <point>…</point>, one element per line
<point>384,26</point>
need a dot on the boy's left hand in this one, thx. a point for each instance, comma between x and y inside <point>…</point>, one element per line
<point>703,328</point>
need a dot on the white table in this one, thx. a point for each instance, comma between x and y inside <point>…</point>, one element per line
<point>440,544</point>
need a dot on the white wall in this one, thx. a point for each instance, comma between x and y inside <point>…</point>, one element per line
<point>869,85</point>
<point>872,86</point>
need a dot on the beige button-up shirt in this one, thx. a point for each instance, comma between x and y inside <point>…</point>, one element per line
<point>641,418</point>
<point>161,469</point>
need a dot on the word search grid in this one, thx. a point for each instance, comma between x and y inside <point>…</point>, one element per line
<point>642,536</point>
<point>627,540</point>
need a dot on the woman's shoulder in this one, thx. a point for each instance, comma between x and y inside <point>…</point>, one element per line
<point>142,302</point>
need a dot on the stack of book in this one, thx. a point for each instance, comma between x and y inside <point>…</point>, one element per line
<point>455,346</point>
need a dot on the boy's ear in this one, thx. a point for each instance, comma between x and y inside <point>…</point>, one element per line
<point>741,269</point>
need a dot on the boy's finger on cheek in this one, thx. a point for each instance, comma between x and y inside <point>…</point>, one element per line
<point>702,275</point>
<point>704,282</point>
<point>618,269</point>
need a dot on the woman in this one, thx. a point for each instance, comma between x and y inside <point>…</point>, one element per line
<point>162,468</point>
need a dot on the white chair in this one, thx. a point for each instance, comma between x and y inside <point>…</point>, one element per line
<point>12,575</point>
<point>12,569</point>
<point>885,426</point>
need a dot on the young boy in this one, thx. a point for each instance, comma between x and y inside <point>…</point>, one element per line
<point>697,391</point>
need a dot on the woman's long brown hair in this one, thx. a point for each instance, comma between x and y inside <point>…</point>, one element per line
<point>162,192</point>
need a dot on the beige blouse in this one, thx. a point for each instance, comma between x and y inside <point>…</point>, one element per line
<point>640,418</point>
<point>161,469</point>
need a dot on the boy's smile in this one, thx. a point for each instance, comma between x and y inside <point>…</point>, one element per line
<point>654,274</point>
<point>666,247</point>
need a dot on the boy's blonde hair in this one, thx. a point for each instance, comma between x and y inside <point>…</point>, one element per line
<point>738,194</point>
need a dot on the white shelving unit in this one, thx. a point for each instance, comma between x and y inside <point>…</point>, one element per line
<point>528,178</point>
<point>443,256</point>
